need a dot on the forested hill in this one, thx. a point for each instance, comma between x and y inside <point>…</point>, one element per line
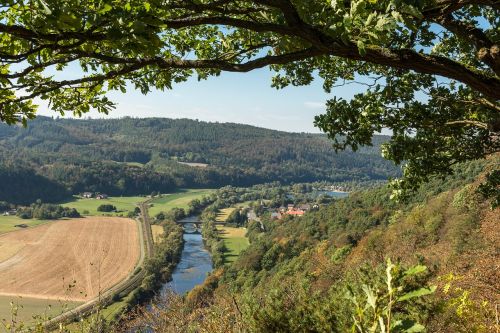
<point>123,156</point>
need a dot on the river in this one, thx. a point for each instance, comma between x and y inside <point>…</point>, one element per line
<point>194,265</point>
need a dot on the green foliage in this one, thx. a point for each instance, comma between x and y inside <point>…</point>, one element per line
<point>491,188</point>
<point>376,309</point>
<point>430,68</point>
<point>237,217</point>
<point>106,208</point>
<point>42,211</point>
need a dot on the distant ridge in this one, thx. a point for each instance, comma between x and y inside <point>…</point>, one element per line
<point>140,155</point>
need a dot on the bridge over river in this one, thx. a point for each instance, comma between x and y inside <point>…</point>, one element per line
<point>193,222</point>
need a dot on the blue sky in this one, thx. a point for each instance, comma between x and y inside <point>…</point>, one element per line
<point>232,97</point>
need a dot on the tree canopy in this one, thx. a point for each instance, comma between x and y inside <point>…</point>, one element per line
<point>431,67</point>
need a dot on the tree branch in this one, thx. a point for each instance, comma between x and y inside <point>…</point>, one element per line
<point>487,51</point>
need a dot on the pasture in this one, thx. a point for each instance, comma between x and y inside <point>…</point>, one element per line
<point>176,200</point>
<point>8,223</point>
<point>89,206</point>
<point>234,240</point>
<point>70,260</point>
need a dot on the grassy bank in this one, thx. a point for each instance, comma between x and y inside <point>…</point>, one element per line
<point>234,241</point>
<point>180,199</point>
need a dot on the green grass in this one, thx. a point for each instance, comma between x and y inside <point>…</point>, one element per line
<point>122,204</point>
<point>8,223</point>
<point>29,307</point>
<point>235,242</point>
<point>176,200</point>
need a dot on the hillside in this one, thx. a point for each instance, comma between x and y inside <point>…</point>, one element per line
<point>132,156</point>
<point>325,271</point>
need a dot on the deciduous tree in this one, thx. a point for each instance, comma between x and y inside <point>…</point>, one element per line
<point>431,67</point>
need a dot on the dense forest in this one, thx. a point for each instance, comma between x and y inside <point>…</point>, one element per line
<point>53,158</point>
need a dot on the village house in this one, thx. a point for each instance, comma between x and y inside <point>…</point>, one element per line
<point>87,195</point>
<point>101,196</point>
<point>296,212</point>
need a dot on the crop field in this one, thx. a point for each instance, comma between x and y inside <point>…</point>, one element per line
<point>8,223</point>
<point>234,240</point>
<point>69,260</point>
<point>157,232</point>
<point>89,206</point>
<point>224,213</point>
<point>176,200</point>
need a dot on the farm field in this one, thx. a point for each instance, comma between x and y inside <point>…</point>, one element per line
<point>176,200</point>
<point>8,223</point>
<point>234,240</point>
<point>91,254</point>
<point>89,206</point>
<point>157,232</point>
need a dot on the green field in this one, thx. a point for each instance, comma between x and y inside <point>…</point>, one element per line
<point>122,204</point>
<point>235,242</point>
<point>176,200</point>
<point>8,223</point>
<point>29,307</point>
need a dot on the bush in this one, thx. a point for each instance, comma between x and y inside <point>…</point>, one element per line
<point>47,212</point>
<point>106,208</point>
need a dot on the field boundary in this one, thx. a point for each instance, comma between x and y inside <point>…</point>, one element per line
<point>133,280</point>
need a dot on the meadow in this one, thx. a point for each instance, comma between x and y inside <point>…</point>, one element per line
<point>89,206</point>
<point>176,200</point>
<point>8,223</point>
<point>234,240</point>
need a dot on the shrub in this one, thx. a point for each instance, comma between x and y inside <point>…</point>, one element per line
<point>106,208</point>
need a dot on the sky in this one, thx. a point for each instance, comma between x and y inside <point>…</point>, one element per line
<point>245,98</point>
